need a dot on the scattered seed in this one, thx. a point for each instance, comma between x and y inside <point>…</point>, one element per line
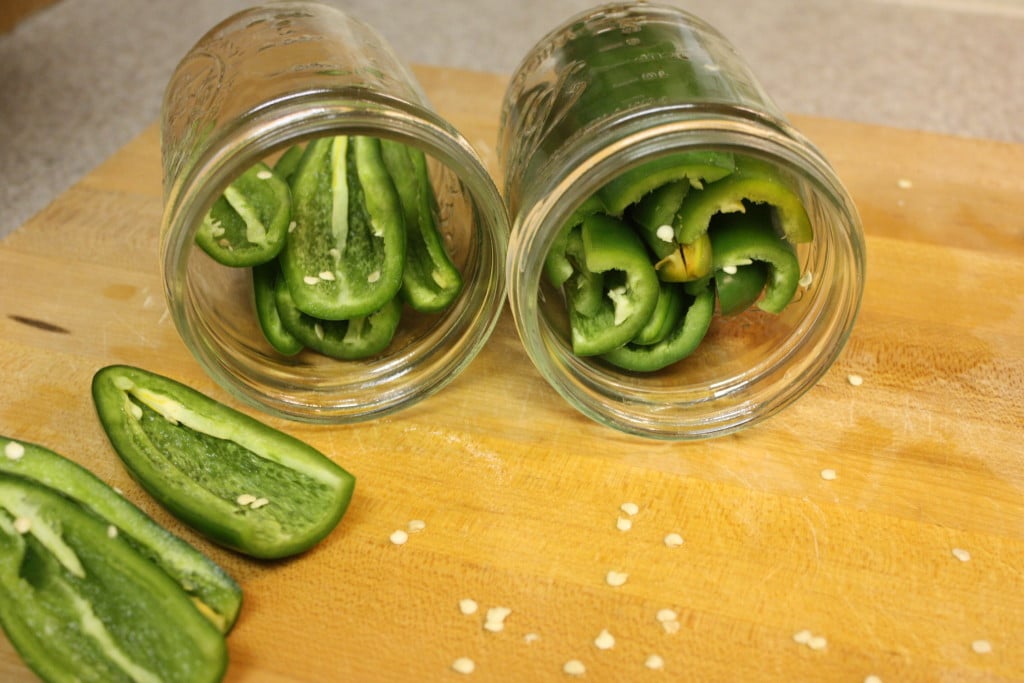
<point>630,508</point>
<point>373,277</point>
<point>496,619</point>
<point>961,554</point>
<point>398,537</point>
<point>817,643</point>
<point>623,524</point>
<point>318,330</point>
<point>806,279</point>
<point>669,620</point>
<point>655,662</point>
<point>258,503</point>
<point>803,637</point>
<point>904,183</point>
<point>463,665</point>
<point>673,540</point>
<point>982,647</point>
<point>111,531</point>
<point>828,474</point>
<point>467,606</point>
<point>574,667</point>
<point>667,614</point>
<point>311,280</point>
<point>665,233</point>
<point>245,499</point>
<point>604,640</point>
<point>616,579</point>
<point>855,380</point>
<point>264,175</point>
<point>417,525</point>
<point>730,270</point>
<point>531,637</point>
<point>292,226</point>
<point>326,275</point>
<point>22,525</point>
<point>14,450</point>
<point>136,410</point>
<point>873,679</point>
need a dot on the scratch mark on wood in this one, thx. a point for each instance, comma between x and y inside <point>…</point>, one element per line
<point>39,324</point>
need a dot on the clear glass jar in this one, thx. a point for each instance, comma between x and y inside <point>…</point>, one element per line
<point>687,90</point>
<point>259,82</point>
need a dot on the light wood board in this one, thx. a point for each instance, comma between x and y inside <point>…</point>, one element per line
<point>521,495</point>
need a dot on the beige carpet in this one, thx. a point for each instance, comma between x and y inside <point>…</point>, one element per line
<point>82,77</point>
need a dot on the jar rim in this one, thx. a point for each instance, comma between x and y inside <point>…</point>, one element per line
<point>709,408</point>
<point>377,389</point>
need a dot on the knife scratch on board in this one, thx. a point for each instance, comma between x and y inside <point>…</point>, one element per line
<point>39,324</point>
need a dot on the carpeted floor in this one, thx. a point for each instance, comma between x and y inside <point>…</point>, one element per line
<point>82,77</point>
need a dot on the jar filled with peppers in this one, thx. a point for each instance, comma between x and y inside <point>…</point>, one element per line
<point>332,249</point>
<point>683,263</point>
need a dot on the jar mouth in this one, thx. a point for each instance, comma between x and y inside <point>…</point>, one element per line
<point>211,305</point>
<point>748,367</point>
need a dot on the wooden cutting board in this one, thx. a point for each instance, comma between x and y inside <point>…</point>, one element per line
<point>521,495</point>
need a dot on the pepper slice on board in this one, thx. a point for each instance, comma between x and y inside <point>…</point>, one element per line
<point>239,482</point>
<point>247,224</point>
<point>740,239</point>
<point>78,604</point>
<point>630,286</point>
<point>430,281</point>
<point>346,254</point>
<point>680,343</point>
<point>215,593</point>
<point>342,339</point>
<point>754,182</point>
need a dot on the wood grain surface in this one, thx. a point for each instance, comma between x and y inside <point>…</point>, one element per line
<point>521,495</point>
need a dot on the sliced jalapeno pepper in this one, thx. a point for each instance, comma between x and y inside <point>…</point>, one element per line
<point>247,224</point>
<point>345,256</point>
<point>633,185</point>
<point>430,281</point>
<point>665,316</point>
<point>79,603</point>
<point>739,287</point>
<point>557,266</point>
<point>215,593</point>
<point>754,182</point>
<point>265,278</point>
<point>739,239</point>
<point>680,343</point>
<point>238,481</point>
<point>289,161</point>
<point>611,248</point>
<point>654,216</point>
<point>342,339</point>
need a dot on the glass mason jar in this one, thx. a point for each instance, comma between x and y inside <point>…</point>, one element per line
<point>258,83</point>
<point>624,85</point>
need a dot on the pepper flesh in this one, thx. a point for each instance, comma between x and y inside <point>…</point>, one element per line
<point>265,279</point>
<point>430,281</point>
<point>754,182</point>
<point>345,256</point>
<point>342,339</point>
<point>78,604</point>
<point>247,224</point>
<point>677,345</point>
<point>197,457</point>
<point>630,286</point>
<point>740,238</point>
<point>215,593</point>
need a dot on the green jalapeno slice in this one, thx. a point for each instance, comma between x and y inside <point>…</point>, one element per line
<point>239,482</point>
